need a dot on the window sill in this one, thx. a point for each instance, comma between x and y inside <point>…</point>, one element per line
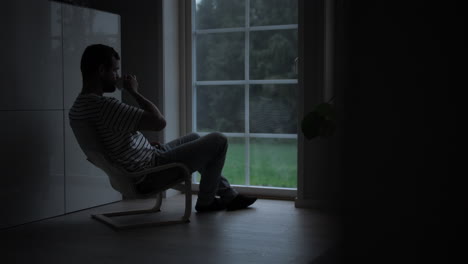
<point>261,191</point>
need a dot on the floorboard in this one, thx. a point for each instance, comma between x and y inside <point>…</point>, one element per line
<point>272,231</point>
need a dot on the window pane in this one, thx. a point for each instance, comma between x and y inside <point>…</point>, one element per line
<point>220,108</point>
<point>273,12</point>
<point>273,108</point>
<point>220,56</point>
<point>212,14</point>
<point>273,162</point>
<point>272,54</point>
<point>234,166</point>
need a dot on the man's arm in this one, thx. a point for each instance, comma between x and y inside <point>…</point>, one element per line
<point>152,119</point>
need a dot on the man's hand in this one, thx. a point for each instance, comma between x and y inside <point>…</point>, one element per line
<point>130,83</point>
<point>152,119</point>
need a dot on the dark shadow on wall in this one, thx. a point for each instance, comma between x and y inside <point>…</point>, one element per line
<point>399,72</point>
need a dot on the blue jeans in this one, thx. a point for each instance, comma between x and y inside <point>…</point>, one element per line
<point>203,154</point>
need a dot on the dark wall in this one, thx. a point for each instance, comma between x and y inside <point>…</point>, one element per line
<point>321,163</point>
<point>397,66</point>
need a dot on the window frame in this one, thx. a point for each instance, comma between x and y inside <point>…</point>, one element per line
<point>278,192</point>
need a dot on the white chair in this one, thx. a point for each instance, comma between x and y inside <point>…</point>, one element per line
<point>123,181</point>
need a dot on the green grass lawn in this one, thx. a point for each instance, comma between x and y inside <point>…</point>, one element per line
<point>273,162</point>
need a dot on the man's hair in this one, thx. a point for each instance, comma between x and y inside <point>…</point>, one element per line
<point>95,55</point>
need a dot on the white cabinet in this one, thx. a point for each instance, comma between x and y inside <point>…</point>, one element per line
<point>81,28</point>
<point>31,52</point>
<point>85,185</point>
<point>44,172</point>
<point>32,166</point>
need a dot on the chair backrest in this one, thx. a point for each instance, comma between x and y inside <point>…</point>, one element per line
<point>93,148</point>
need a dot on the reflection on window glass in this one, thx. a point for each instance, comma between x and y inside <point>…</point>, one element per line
<point>220,108</point>
<point>273,109</point>
<point>264,154</point>
<point>211,14</point>
<point>220,56</point>
<point>272,54</point>
<point>273,162</point>
<point>273,12</point>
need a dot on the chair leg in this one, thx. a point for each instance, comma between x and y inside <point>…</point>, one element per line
<point>157,206</point>
<point>103,218</point>
<point>106,218</point>
<point>188,199</point>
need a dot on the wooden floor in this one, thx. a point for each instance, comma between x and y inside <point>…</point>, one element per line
<point>272,231</point>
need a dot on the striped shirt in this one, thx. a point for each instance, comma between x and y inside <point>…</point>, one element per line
<point>116,124</point>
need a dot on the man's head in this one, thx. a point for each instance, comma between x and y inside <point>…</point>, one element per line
<point>100,67</point>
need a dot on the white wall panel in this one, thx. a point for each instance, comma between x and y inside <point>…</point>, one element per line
<point>32,166</point>
<point>81,28</point>
<point>85,185</point>
<point>31,68</point>
<point>44,173</point>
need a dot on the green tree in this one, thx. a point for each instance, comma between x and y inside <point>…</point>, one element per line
<point>221,56</point>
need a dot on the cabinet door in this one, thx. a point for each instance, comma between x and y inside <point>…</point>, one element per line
<point>81,28</point>
<point>85,185</point>
<point>32,166</point>
<point>31,66</point>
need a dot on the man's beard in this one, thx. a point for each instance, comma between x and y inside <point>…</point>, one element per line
<point>109,87</point>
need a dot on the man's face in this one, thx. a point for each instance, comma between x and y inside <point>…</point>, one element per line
<point>110,76</point>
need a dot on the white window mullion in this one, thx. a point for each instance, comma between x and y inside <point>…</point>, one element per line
<point>234,82</point>
<point>274,81</point>
<point>270,135</point>
<point>274,27</point>
<point>243,82</point>
<point>246,83</point>
<point>254,135</point>
<point>241,29</point>
<point>247,93</point>
<point>219,30</point>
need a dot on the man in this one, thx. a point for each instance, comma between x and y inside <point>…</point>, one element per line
<point>119,127</point>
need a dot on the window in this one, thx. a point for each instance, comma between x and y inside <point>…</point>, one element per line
<point>245,85</point>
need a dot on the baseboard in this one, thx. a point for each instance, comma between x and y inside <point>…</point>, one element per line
<point>315,204</point>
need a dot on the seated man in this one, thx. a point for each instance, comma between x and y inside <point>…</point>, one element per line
<point>118,125</point>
